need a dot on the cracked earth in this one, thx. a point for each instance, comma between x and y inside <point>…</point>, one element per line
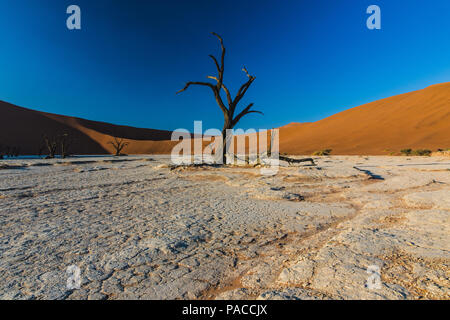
<point>140,229</point>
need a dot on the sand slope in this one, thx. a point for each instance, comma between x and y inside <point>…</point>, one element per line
<point>419,119</point>
<point>25,128</point>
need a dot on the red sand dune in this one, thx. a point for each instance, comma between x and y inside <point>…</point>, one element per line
<point>419,119</point>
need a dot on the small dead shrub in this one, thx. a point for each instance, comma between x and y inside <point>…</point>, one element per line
<point>418,152</point>
<point>321,153</point>
<point>422,152</point>
<point>406,152</point>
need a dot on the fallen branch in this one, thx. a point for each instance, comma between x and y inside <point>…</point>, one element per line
<point>291,160</point>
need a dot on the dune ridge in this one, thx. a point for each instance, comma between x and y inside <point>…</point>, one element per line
<point>418,119</point>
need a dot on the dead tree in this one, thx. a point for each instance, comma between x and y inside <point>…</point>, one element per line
<point>40,150</point>
<point>65,143</point>
<point>118,144</point>
<point>8,151</point>
<point>230,119</point>
<point>12,152</point>
<point>16,152</point>
<point>52,145</point>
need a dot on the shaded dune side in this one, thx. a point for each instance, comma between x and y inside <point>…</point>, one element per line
<point>25,128</point>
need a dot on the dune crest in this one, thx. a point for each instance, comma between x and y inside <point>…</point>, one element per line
<point>418,119</point>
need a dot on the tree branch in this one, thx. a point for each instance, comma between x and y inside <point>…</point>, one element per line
<point>188,84</point>
<point>246,85</point>
<point>223,49</point>
<point>227,92</point>
<point>213,78</point>
<point>222,60</point>
<point>216,63</point>
<point>246,72</point>
<point>244,112</point>
<point>242,90</point>
<point>215,90</point>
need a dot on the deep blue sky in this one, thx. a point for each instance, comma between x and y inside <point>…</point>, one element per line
<point>311,58</point>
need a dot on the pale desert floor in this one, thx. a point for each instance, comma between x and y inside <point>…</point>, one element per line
<point>139,230</point>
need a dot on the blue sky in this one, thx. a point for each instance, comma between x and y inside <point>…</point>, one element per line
<point>311,59</point>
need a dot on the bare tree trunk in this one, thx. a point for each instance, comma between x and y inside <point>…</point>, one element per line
<point>226,141</point>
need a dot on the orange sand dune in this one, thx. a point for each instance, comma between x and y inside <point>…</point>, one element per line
<point>419,119</point>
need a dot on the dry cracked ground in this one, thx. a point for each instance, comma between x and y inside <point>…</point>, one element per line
<point>139,229</point>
